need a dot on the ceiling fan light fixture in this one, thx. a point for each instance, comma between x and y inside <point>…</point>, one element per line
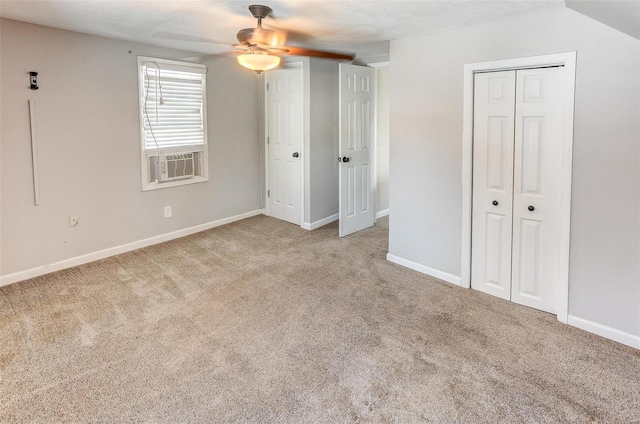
<point>258,62</point>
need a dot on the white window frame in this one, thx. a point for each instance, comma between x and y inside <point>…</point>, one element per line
<point>146,153</point>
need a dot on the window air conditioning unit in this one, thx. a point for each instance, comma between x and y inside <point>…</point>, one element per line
<point>176,166</point>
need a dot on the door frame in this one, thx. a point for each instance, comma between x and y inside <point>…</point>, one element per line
<point>568,60</point>
<point>377,66</point>
<point>299,66</point>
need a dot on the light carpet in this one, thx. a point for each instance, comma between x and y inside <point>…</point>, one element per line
<point>261,321</point>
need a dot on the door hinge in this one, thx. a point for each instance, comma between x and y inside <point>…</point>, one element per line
<point>267,86</point>
<point>268,193</point>
<point>267,139</point>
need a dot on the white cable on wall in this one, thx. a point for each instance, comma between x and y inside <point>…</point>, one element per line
<point>146,113</point>
<point>34,151</point>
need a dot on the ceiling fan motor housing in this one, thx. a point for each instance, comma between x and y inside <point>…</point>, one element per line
<point>259,11</point>
<point>259,36</point>
<point>266,42</point>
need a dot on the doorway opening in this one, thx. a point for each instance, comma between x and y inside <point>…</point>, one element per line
<point>319,141</point>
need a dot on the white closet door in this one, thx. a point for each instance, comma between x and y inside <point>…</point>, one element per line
<point>284,129</point>
<point>536,204</point>
<point>494,104</point>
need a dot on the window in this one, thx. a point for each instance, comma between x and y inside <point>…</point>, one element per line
<point>173,122</point>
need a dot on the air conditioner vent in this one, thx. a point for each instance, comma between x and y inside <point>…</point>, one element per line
<point>175,166</point>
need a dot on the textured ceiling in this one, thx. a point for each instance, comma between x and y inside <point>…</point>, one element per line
<point>363,27</point>
<point>360,26</point>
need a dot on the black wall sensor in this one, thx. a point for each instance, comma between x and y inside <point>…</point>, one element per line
<point>34,80</point>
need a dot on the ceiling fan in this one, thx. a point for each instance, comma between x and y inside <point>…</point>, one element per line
<point>265,46</point>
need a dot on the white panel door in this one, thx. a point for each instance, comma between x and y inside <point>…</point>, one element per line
<point>517,163</point>
<point>284,135</point>
<point>493,141</point>
<point>536,202</point>
<point>357,97</point>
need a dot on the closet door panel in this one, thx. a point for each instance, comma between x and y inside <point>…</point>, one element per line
<point>494,97</point>
<point>536,191</point>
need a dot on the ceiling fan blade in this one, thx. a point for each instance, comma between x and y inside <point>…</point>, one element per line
<point>166,35</point>
<point>292,36</point>
<point>301,51</point>
<point>261,35</point>
<point>204,57</point>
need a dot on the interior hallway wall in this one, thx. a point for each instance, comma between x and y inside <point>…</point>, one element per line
<point>323,142</point>
<point>382,140</point>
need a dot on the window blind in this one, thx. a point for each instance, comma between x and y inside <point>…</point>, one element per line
<point>172,106</point>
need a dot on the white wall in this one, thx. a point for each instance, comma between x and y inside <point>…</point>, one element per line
<point>89,148</point>
<point>382,139</point>
<point>426,149</point>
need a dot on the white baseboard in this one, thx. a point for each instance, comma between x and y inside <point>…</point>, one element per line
<point>449,278</point>
<point>116,250</point>
<point>382,214</point>
<point>321,222</point>
<point>605,331</point>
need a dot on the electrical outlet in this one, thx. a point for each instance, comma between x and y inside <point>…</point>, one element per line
<point>167,211</point>
<point>73,220</point>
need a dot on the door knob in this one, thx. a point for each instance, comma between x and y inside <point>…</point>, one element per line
<point>531,208</point>
<point>296,154</point>
<point>494,203</point>
<point>345,159</point>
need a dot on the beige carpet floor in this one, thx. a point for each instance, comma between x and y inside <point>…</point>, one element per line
<point>261,321</point>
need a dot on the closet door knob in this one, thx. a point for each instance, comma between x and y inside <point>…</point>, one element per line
<point>531,208</point>
<point>295,155</point>
<point>345,159</point>
<point>494,203</point>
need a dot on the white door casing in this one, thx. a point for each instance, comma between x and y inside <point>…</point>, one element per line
<point>493,136</point>
<point>284,144</point>
<point>516,197</point>
<point>536,192</point>
<point>357,131</point>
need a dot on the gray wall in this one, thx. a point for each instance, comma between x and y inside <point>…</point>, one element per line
<point>425,155</point>
<point>382,139</point>
<point>89,147</point>
<point>323,158</point>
